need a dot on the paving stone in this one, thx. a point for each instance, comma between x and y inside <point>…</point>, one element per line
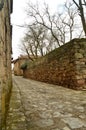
<point>66,128</point>
<point>80,108</point>
<point>56,114</point>
<point>74,123</point>
<point>45,122</point>
<point>46,115</point>
<point>82,116</point>
<point>56,129</point>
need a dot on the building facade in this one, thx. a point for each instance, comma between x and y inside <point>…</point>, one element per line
<point>5,58</point>
<point>18,63</point>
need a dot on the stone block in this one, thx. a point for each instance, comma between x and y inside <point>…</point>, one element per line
<point>78,55</point>
<point>81,82</point>
<point>79,77</point>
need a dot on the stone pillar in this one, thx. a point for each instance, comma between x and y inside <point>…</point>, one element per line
<point>80,63</point>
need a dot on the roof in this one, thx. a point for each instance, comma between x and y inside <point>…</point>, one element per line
<point>22,57</point>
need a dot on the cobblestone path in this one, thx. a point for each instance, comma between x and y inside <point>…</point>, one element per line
<point>39,106</point>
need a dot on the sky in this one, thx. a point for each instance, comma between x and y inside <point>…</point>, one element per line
<point>19,16</point>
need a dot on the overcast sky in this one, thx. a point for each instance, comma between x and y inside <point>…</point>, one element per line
<point>18,17</point>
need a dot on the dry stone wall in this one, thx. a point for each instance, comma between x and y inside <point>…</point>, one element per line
<point>5,58</point>
<point>65,66</point>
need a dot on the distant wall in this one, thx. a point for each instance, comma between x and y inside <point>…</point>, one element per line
<point>64,66</point>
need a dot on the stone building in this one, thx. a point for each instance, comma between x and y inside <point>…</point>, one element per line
<point>17,65</point>
<point>5,58</point>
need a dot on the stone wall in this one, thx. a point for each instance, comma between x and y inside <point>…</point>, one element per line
<point>5,58</point>
<point>65,66</point>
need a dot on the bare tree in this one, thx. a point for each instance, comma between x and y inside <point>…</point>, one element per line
<point>44,18</point>
<point>34,41</point>
<point>60,25</point>
<point>80,5</point>
<point>69,21</point>
<point>46,32</point>
<point>25,49</point>
<point>65,22</point>
<point>37,41</point>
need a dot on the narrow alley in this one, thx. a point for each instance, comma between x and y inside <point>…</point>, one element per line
<point>39,106</point>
